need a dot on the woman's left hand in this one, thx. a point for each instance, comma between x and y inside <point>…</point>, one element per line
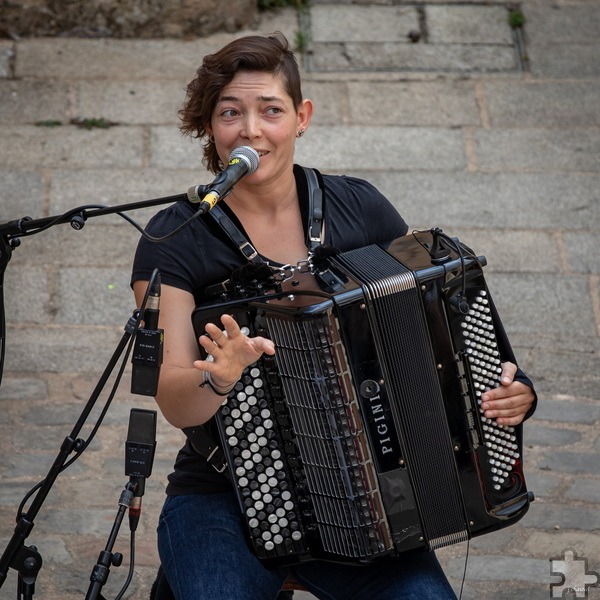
<point>509,402</point>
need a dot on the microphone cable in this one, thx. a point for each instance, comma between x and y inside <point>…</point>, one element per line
<point>131,565</point>
<point>455,245</point>
<point>77,218</point>
<point>462,583</point>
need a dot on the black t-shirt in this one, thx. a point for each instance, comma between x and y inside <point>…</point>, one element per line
<point>355,215</point>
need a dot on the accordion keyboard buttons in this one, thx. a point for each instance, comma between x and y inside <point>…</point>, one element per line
<point>484,362</point>
<point>260,473</point>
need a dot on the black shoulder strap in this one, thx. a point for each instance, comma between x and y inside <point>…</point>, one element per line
<point>315,221</point>
<point>241,242</point>
<point>315,210</point>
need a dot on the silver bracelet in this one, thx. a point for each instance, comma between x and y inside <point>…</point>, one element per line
<point>217,389</point>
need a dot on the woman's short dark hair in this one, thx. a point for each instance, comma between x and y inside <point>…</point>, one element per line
<point>251,53</point>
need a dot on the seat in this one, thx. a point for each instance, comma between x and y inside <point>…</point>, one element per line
<point>290,584</point>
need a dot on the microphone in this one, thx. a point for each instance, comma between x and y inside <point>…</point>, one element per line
<point>242,161</point>
<point>148,350</point>
<point>139,457</point>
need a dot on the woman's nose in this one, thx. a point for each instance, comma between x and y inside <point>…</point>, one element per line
<point>251,127</point>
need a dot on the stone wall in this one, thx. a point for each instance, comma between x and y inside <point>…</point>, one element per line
<point>124,18</point>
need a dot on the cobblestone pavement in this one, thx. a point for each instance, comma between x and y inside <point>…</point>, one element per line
<point>491,134</point>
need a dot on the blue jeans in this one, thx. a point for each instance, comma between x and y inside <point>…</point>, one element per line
<point>205,556</point>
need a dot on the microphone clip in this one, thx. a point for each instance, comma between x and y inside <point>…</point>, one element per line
<point>196,193</point>
<point>147,356</point>
<point>439,251</point>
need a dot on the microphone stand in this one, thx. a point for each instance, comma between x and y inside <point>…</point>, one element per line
<point>26,560</point>
<point>106,558</point>
<point>11,230</point>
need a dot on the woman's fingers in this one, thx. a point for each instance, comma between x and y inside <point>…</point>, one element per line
<point>508,404</point>
<point>509,370</point>
<point>263,345</point>
<point>230,349</point>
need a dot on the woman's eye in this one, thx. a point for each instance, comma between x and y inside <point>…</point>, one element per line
<point>229,112</point>
<point>274,110</point>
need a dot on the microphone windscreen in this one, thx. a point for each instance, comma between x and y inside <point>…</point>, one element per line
<point>141,443</point>
<point>142,426</point>
<point>248,155</point>
<point>323,252</point>
<point>251,273</point>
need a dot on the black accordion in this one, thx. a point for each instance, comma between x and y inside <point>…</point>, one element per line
<point>362,436</point>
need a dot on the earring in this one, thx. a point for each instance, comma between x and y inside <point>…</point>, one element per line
<point>301,132</point>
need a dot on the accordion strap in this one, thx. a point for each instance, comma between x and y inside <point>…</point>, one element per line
<point>241,242</point>
<point>315,221</point>
<point>315,210</point>
<point>204,444</point>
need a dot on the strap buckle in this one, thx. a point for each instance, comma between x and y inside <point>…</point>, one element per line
<point>248,250</point>
<point>305,266</point>
<point>213,465</point>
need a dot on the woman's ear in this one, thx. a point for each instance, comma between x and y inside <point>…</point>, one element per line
<point>305,112</point>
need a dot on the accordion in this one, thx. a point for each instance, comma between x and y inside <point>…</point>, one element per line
<point>362,437</point>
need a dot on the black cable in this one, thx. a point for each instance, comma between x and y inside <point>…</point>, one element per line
<point>60,218</point>
<point>464,571</point>
<point>2,326</point>
<point>458,247</point>
<point>131,566</point>
<point>80,211</point>
<point>175,231</point>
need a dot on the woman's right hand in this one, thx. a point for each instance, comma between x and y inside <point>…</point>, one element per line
<point>231,351</point>
<point>182,399</point>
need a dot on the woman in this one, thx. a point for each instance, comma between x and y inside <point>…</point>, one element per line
<point>249,94</point>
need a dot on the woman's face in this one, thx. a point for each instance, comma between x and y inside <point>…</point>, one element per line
<point>255,110</point>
